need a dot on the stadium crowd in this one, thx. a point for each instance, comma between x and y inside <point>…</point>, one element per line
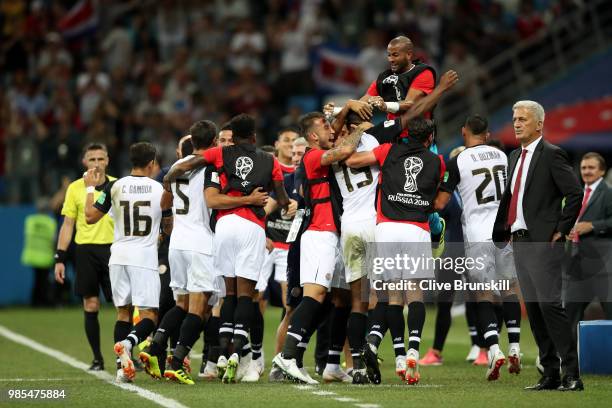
<point>146,70</point>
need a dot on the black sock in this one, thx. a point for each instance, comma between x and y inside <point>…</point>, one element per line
<point>257,331</point>
<point>242,320</point>
<point>300,350</point>
<point>512,318</point>
<point>299,325</point>
<point>357,325</point>
<point>190,331</point>
<point>210,335</point>
<point>171,322</point>
<point>226,327</point>
<point>443,323</point>
<point>488,323</point>
<point>122,330</point>
<point>378,324</point>
<point>141,331</point>
<point>337,338</point>
<point>395,320</point>
<point>92,330</point>
<point>499,314</point>
<point>415,322</point>
<point>471,316</point>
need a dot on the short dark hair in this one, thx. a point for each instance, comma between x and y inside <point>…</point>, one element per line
<point>186,147</point>
<point>94,146</point>
<point>243,126</point>
<point>287,129</point>
<point>353,118</point>
<point>420,128</point>
<point>226,126</point>
<point>141,154</point>
<point>477,124</point>
<point>593,155</point>
<point>496,143</point>
<point>268,149</point>
<point>307,121</point>
<point>203,134</point>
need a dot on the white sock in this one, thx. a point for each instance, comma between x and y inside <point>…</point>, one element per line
<point>493,349</point>
<point>514,346</point>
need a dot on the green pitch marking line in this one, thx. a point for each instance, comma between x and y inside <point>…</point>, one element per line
<point>102,375</point>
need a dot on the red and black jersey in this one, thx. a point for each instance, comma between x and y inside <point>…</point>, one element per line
<point>322,213</point>
<point>408,183</point>
<point>243,168</point>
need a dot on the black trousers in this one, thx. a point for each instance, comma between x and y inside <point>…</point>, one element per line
<point>539,270</point>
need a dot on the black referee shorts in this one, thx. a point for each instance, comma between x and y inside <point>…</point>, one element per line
<point>91,262</point>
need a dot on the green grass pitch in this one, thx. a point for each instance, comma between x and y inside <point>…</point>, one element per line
<point>455,384</point>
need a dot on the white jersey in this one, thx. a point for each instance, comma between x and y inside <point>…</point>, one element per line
<point>358,186</point>
<point>479,175</point>
<point>191,230</point>
<point>135,204</point>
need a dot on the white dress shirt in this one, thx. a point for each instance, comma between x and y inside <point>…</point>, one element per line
<point>593,187</point>
<point>520,223</point>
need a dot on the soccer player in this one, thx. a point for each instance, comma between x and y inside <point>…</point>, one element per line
<point>479,175</point>
<point>408,182</point>
<point>319,242</point>
<point>225,135</point>
<point>190,254</point>
<point>239,233</point>
<point>135,201</point>
<point>92,248</point>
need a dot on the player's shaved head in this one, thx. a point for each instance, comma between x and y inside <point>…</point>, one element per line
<point>402,42</point>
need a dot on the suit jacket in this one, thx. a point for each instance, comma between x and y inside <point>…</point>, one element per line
<point>599,212</point>
<point>550,179</point>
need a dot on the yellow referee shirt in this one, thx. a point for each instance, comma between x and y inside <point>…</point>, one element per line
<point>101,232</point>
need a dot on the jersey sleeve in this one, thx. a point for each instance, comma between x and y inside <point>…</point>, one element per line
<point>211,178</point>
<point>104,202</point>
<point>451,176</point>
<point>424,82</point>
<point>372,91</point>
<point>381,153</point>
<point>277,171</point>
<point>312,161</point>
<point>69,208</point>
<point>387,131</point>
<point>213,156</point>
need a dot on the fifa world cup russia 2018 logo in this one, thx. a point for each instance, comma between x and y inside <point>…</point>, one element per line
<point>412,166</point>
<point>244,165</point>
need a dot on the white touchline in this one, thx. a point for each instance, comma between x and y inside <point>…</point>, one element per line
<point>335,396</point>
<point>103,375</point>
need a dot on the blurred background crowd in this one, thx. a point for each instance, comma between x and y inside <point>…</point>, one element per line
<point>74,72</point>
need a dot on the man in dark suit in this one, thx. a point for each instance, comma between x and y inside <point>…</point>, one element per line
<point>591,246</point>
<point>532,215</point>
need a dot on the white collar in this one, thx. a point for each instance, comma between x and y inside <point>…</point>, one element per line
<point>532,146</point>
<point>594,186</point>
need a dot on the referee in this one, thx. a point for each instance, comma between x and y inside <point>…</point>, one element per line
<point>92,249</point>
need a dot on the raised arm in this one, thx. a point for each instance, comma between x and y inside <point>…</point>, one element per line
<point>93,214</point>
<point>346,147</point>
<point>422,105</point>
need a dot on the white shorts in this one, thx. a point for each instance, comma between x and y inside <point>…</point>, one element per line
<point>490,262</point>
<point>320,259</point>
<point>239,247</point>
<point>354,240</point>
<point>191,271</point>
<point>134,285</point>
<point>413,246</point>
<point>274,261</point>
